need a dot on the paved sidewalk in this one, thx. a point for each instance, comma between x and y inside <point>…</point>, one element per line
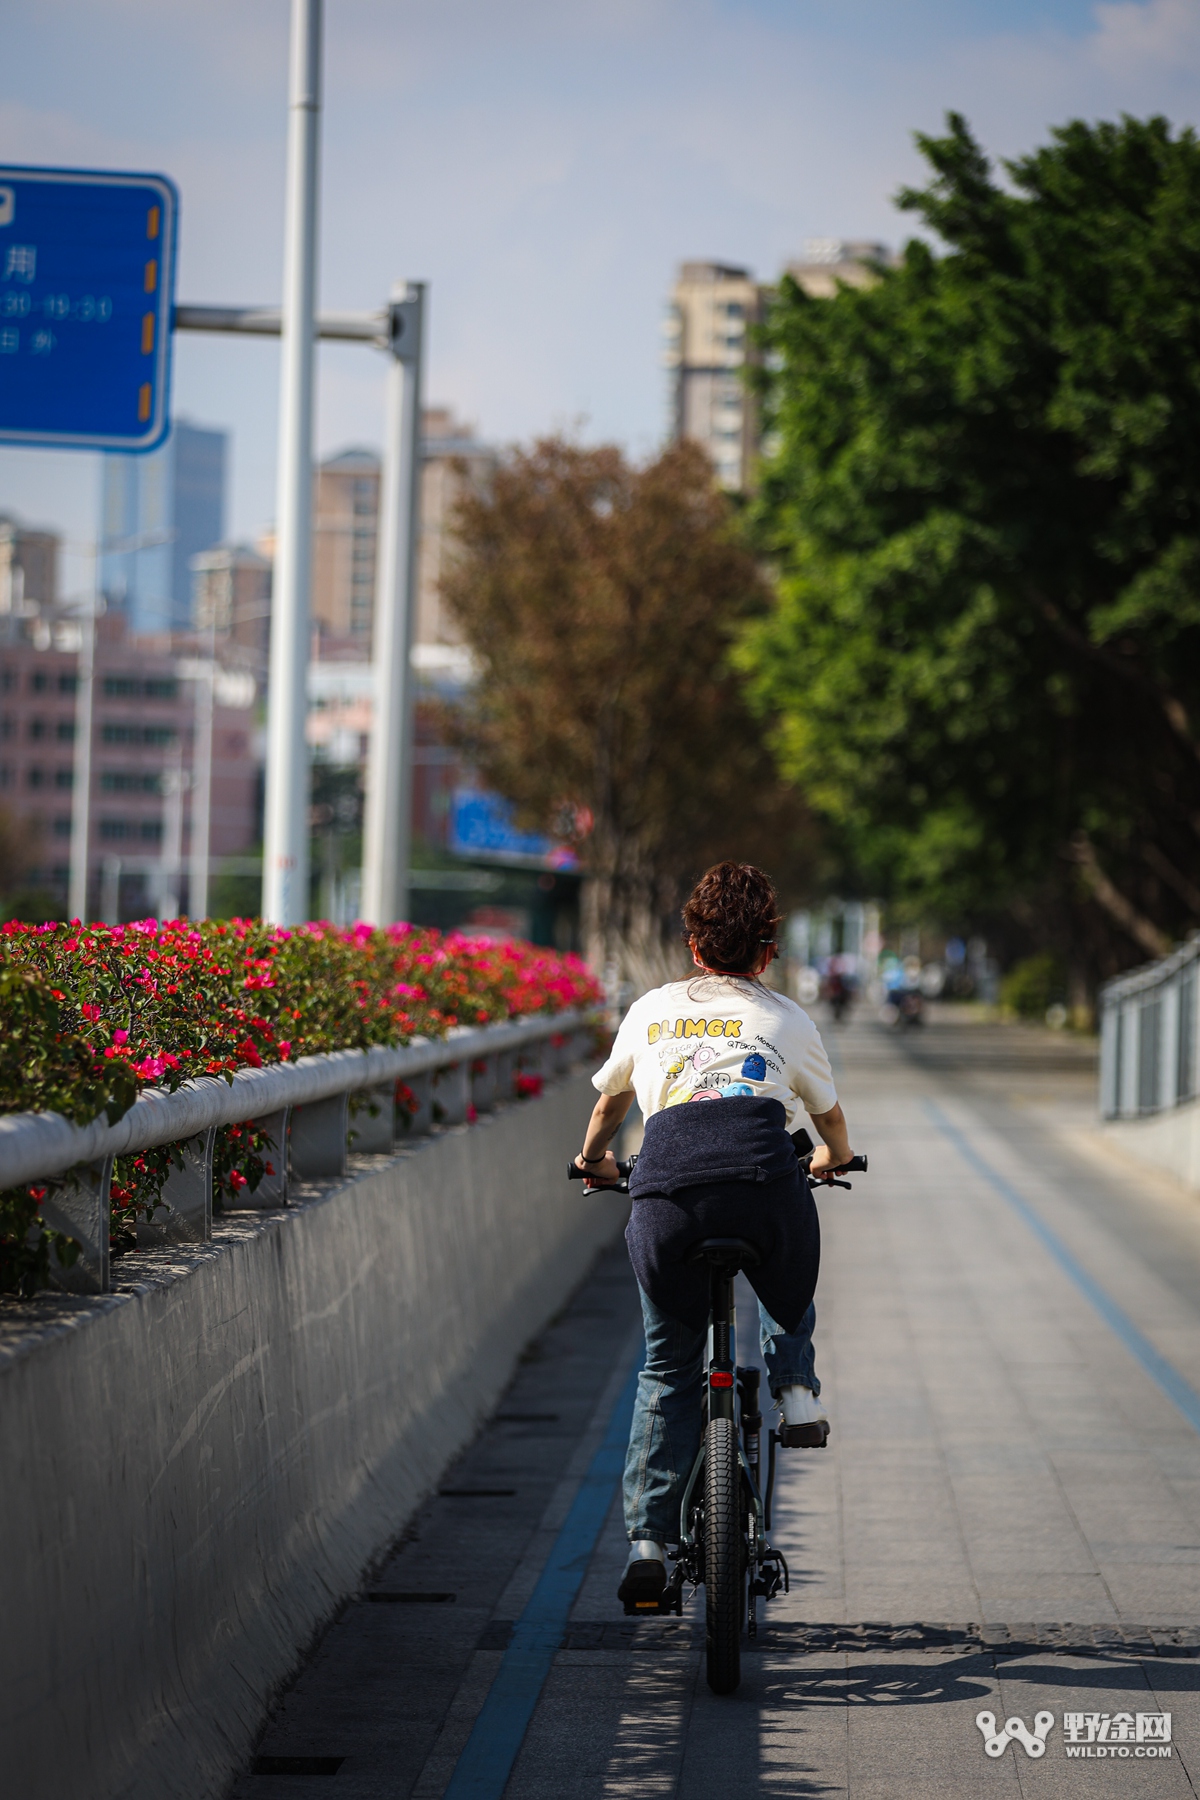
<point>1006,1521</point>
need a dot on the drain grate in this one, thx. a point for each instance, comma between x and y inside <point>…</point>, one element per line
<point>297,1765</point>
<point>414,1599</point>
<point>476,1493</point>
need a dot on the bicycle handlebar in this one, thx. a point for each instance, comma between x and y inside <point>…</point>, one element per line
<point>624,1169</point>
<point>823,1178</point>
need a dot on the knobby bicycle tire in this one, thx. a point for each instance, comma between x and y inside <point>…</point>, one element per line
<point>724,1578</point>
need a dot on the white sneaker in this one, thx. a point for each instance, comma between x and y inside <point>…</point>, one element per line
<point>645,1578</point>
<point>804,1424</point>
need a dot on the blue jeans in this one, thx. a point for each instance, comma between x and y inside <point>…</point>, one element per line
<point>664,1438</point>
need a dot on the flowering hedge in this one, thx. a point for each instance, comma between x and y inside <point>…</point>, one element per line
<point>94,1013</point>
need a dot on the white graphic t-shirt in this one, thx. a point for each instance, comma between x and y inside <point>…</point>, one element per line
<point>713,1037</point>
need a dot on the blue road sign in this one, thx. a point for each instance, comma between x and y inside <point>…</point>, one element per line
<point>87,283</point>
<point>481,827</point>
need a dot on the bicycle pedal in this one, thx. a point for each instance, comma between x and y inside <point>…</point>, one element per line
<point>805,1437</point>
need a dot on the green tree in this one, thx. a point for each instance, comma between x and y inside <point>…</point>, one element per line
<point>600,601</point>
<point>984,660</point>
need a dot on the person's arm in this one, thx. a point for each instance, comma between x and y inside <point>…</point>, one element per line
<point>608,1115</point>
<point>835,1151</point>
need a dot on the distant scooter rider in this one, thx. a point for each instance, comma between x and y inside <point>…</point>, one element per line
<point>838,992</point>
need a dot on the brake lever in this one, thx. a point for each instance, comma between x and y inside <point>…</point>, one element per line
<point>822,1179</point>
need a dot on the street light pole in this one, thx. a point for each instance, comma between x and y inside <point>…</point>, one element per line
<point>202,760</point>
<point>81,797</point>
<point>389,773</point>
<point>285,848</point>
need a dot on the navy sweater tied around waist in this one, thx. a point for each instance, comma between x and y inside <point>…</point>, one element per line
<point>725,1168</point>
<point>741,1139</point>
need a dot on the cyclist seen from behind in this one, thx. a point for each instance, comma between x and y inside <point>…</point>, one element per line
<point>727,1170</point>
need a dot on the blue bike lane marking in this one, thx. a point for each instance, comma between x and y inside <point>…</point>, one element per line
<point>1174,1385</point>
<point>484,1767</point>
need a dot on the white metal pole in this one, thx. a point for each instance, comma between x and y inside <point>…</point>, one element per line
<point>389,774</point>
<point>81,797</point>
<point>110,890</point>
<point>285,848</point>
<point>202,760</point>
<point>171,864</point>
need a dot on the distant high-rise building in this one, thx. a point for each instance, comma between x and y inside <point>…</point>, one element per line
<point>347,528</point>
<point>453,460</point>
<point>158,512</point>
<point>829,261</point>
<point>709,345</point>
<point>707,349</point>
<point>28,568</point>
<point>231,597</point>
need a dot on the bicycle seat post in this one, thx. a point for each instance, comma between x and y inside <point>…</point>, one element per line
<point>721,1369</point>
<point>724,1256</point>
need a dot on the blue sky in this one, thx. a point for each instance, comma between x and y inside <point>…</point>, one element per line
<point>543,164</point>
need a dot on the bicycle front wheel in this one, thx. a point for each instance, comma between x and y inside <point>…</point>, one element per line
<point>724,1576</point>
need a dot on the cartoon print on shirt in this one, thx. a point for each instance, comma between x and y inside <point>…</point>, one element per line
<point>675,1064</point>
<point>678,1060</point>
<point>700,1080</point>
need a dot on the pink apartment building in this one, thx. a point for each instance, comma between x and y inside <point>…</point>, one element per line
<point>144,759</point>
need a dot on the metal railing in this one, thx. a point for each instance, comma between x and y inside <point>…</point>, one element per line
<point>1150,1036</point>
<point>305,1109</point>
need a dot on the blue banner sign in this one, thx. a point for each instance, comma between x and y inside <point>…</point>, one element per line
<point>87,284</point>
<point>481,826</point>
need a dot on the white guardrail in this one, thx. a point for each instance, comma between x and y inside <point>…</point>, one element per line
<point>1150,1036</point>
<point>303,1106</point>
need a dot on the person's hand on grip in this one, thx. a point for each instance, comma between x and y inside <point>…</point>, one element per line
<point>823,1159</point>
<point>600,1173</point>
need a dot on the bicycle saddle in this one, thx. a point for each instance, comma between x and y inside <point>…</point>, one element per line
<point>726,1253</point>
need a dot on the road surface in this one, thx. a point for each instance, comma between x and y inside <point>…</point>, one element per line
<point>1006,1520</point>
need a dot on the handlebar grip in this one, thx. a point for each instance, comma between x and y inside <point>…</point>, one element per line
<point>575,1173</point>
<point>857,1165</point>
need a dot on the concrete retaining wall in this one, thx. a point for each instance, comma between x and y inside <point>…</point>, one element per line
<point>1166,1140</point>
<point>197,1468</point>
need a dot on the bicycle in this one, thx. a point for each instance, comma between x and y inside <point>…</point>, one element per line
<point>725,1516</point>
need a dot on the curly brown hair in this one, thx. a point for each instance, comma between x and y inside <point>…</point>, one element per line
<point>731,916</point>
